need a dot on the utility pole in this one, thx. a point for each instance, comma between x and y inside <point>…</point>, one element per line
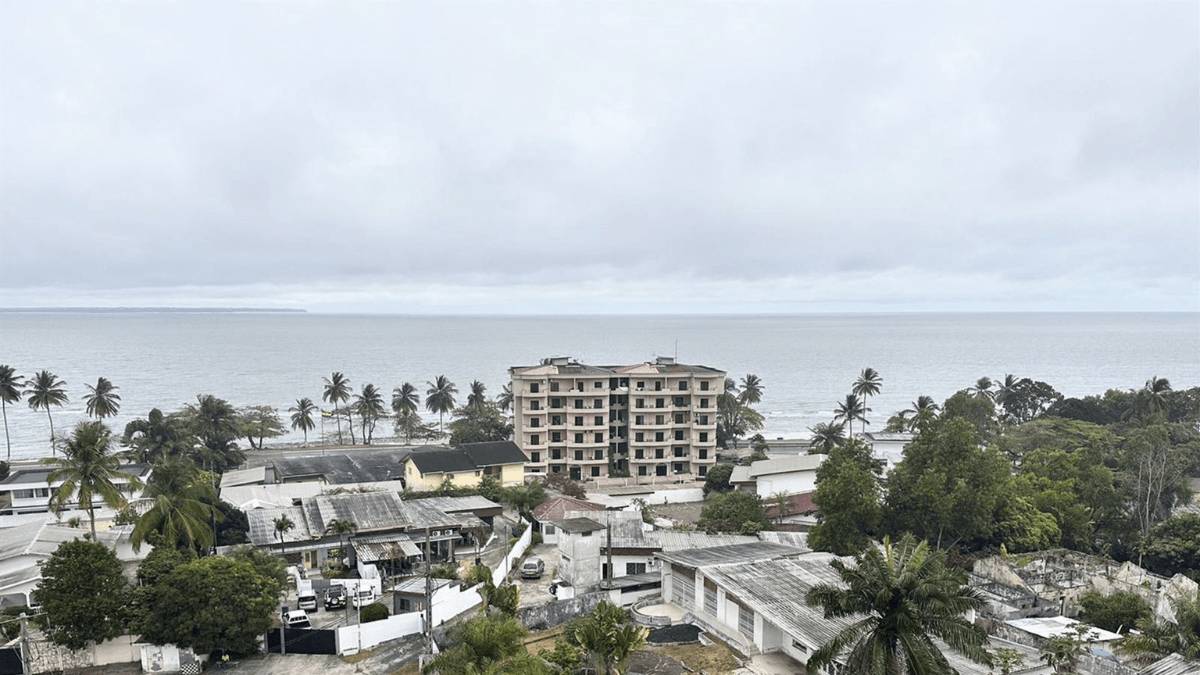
<point>608,568</point>
<point>428,596</point>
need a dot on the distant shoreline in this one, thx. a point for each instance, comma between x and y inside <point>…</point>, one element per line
<point>150,310</point>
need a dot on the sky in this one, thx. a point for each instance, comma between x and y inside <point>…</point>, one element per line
<point>540,158</point>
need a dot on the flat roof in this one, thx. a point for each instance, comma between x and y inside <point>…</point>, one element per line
<point>726,555</point>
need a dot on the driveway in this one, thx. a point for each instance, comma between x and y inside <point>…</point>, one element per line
<point>536,592</point>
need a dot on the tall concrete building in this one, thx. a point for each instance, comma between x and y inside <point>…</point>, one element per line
<point>648,419</point>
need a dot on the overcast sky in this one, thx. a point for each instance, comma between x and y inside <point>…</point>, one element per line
<point>602,157</point>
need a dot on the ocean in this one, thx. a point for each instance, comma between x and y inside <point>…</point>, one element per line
<point>807,363</point>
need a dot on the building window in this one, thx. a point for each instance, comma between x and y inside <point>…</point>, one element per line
<point>745,622</point>
<point>599,438</point>
<point>599,385</point>
<point>800,646</point>
<point>703,403</point>
<point>703,436</point>
<point>535,423</point>
<point>679,452</point>
<point>660,403</point>
<point>658,453</point>
<point>678,418</point>
<point>535,439</point>
<point>658,386</point>
<point>535,456</point>
<point>554,386</point>
<point>533,387</point>
<point>679,434</point>
<point>635,568</point>
<point>703,471</point>
<point>535,405</point>
<point>547,529</point>
<point>599,454</point>
<point>639,436</point>
<point>683,385</point>
<point>679,402</point>
<point>640,403</point>
<point>578,438</point>
<point>703,454</point>
<point>641,469</point>
<point>556,437</point>
<point>578,420</point>
<point>702,419</point>
<point>639,454</point>
<point>710,597</point>
<point>556,454</point>
<point>641,386</point>
<point>578,404</point>
<point>585,534</point>
<point>556,468</point>
<point>703,385</point>
<point>678,467</point>
<point>658,437</point>
<point>599,420</point>
<point>597,403</point>
<point>596,471</point>
<point>556,403</point>
<point>578,455</point>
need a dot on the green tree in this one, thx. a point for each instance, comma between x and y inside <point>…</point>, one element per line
<point>478,424</point>
<point>505,400</point>
<point>182,513</point>
<point>504,599</point>
<point>735,511</point>
<point>867,385</point>
<point>267,565</point>
<point>751,390</point>
<point>923,409</point>
<point>43,390</point>
<point>283,525</point>
<point>156,437</point>
<point>159,562</point>
<point>215,603</point>
<point>487,645</point>
<point>477,399</point>
<point>853,408</point>
<point>525,498</point>
<point>1062,651</point>
<point>1025,399</point>
<point>369,406</point>
<point>88,470</point>
<point>302,416</point>
<point>848,497</point>
<point>10,392</point>
<point>439,398</point>
<point>1153,475</point>
<point>907,596</point>
<point>102,400</point>
<point>260,422</point>
<point>717,479</point>
<point>410,425</point>
<point>337,391</point>
<point>84,594</point>
<point>978,410</point>
<point>1158,637</point>
<point>216,424</point>
<point>1116,613</point>
<point>735,416</point>
<point>826,436</point>
<point>376,611</point>
<point>1173,546</point>
<point>608,638</point>
<point>983,388</point>
<point>343,528</point>
<point>405,399</point>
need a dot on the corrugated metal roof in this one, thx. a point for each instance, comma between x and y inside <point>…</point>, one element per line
<point>372,549</point>
<point>421,514</point>
<point>278,494</point>
<point>361,466</point>
<point>367,510</point>
<point>786,465</point>
<point>678,541</point>
<point>726,555</point>
<point>262,526</point>
<point>578,525</point>
<point>740,474</point>
<point>459,504</point>
<point>1173,664</point>
<point>797,539</point>
<point>555,508</point>
<point>251,476</point>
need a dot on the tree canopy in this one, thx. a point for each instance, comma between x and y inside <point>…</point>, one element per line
<point>84,594</point>
<point>735,511</point>
<point>848,496</point>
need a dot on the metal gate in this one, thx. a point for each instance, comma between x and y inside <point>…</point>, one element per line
<point>303,641</point>
<point>10,662</point>
<point>683,591</point>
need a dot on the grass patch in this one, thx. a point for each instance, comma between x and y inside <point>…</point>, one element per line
<point>355,658</point>
<point>536,643</point>
<point>715,659</point>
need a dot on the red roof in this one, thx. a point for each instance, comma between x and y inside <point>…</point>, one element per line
<point>798,505</point>
<point>553,509</point>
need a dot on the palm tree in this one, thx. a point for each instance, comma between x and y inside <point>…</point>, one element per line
<point>45,390</point>
<point>1157,638</point>
<point>103,401</point>
<point>439,398</point>
<point>851,409</point>
<point>751,390</point>
<point>302,416</point>
<point>923,408</point>
<point>10,392</point>
<point>282,525</point>
<point>342,527</point>
<point>337,390</point>
<point>1153,395</point>
<point>477,399</point>
<point>182,512</point>
<point>782,503</point>
<point>88,469</point>
<point>867,385</point>
<point>1006,389</point>
<point>405,399</point>
<point>369,406</point>
<point>505,400</point>
<point>898,597</point>
<point>826,436</point>
<point>983,387</point>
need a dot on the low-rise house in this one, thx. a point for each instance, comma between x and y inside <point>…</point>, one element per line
<point>464,466</point>
<point>799,510</point>
<point>27,489</point>
<point>786,475</point>
<point>887,447</point>
<point>556,509</point>
<point>1041,629</point>
<point>410,596</point>
<point>25,547</point>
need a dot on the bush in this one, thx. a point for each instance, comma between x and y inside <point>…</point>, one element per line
<point>536,538</point>
<point>1117,612</point>
<point>563,483</point>
<point>735,511</point>
<point>447,571</point>
<point>376,611</point>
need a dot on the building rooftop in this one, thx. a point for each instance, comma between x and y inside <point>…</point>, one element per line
<point>442,460</point>
<point>726,555</point>
<point>262,526</point>
<point>369,511</point>
<point>574,525</point>
<point>1053,626</point>
<point>420,514</point>
<point>767,467</point>
<point>889,436</point>
<point>363,466</point>
<point>459,504</point>
<point>39,475</point>
<point>253,476</point>
<point>1173,664</point>
<point>795,539</point>
<point>554,509</point>
<point>493,453</point>
<point>798,505</point>
<point>385,547</point>
<point>670,540</point>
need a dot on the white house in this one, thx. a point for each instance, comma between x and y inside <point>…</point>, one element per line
<point>787,475</point>
<point>23,548</point>
<point>27,490</point>
<point>887,447</point>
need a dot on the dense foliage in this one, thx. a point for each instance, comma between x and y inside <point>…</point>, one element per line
<point>735,511</point>
<point>84,594</point>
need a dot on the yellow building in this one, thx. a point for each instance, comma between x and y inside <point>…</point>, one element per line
<point>426,468</point>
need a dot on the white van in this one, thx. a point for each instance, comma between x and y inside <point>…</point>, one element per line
<point>297,618</point>
<point>364,597</point>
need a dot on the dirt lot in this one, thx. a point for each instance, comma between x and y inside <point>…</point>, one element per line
<point>687,513</point>
<point>715,659</point>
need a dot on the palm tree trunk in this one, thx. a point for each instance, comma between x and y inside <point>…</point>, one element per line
<point>338,414</point>
<point>92,518</point>
<point>51,430</point>
<point>4,407</point>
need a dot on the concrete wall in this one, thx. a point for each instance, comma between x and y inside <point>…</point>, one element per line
<point>45,656</point>
<point>350,639</point>
<point>579,558</point>
<point>501,573</point>
<point>554,614</point>
<point>512,474</point>
<point>797,482</point>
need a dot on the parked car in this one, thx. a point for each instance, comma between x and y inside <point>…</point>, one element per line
<point>364,597</point>
<point>532,568</point>
<point>297,618</point>
<point>335,597</point>
<point>307,601</point>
